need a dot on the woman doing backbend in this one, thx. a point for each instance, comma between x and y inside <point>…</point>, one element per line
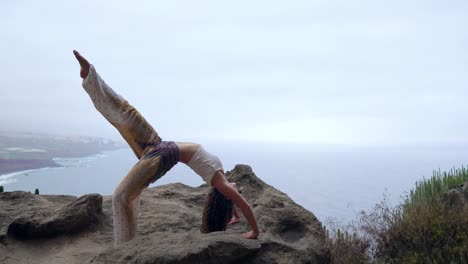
<point>155,158</point>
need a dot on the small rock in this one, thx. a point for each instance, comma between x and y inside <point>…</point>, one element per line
<point>72,217</point>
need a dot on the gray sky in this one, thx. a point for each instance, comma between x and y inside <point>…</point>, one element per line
<point>344,72</point>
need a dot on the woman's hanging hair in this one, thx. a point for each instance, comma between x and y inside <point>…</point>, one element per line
<point>216,213</point>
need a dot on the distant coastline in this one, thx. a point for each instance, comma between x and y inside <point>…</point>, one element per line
<point>9,166</point>
<point>28,151</point>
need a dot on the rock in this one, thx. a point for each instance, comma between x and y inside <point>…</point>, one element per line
<point>456,198</point>
<point>73,217</point>
<point>465,189</point>
<point>19,204</point>
<point>181,248</point>
<point>290,233</point>
<point>4,218</point>
<point>169,220</point>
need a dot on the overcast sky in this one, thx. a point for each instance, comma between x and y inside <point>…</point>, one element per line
<point>343,72</point>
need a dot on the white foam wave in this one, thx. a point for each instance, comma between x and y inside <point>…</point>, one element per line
<point>19,149</point>
<point>78,162</point>
<point>10,177</point>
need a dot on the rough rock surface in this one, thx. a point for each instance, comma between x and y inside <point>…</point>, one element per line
<point>25,205</point>
<point>456,198</point>
<point>73,217</point>
<point>168,229</point>
<point>182,248</point>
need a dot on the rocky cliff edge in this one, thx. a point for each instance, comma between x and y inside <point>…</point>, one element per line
<point>65,229</point>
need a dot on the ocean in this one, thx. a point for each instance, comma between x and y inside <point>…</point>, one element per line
<point>333,182</point>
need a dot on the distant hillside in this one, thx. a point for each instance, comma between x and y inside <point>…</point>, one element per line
<point>23,151</point>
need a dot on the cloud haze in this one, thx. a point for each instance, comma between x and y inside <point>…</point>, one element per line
<point>345,72</point>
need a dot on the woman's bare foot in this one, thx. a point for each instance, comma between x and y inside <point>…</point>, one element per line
<point>234,220</point>
<point>83,63</point>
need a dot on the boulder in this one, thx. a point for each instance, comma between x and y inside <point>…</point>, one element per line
<point>72,217</point>
<point>456,198</point>
<point>169,220</point>
<point>289,233</point>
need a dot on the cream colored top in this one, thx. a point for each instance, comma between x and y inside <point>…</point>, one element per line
<point>205,164</point>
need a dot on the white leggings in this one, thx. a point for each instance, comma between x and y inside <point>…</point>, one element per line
<point>139,134</point>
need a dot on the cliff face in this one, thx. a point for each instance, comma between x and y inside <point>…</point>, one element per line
<point>63,229</point>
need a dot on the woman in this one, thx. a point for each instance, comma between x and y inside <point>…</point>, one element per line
<point>156,157</point>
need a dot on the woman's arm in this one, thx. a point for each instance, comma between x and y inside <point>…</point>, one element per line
<point>235,216</point>
<point>222,185</point>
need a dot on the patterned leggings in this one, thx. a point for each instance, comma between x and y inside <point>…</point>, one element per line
<point>139,135</point>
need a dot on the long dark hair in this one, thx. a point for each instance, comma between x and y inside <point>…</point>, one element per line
<point>216,213</point>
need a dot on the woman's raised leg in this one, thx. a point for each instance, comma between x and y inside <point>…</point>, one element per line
<point>133,127</point>
<point>139,134</point>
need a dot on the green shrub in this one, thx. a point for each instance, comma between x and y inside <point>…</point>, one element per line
<point>36,191</point>
<point>439,183</point>
<point>346,246</point>
<point>422,229</point>
<point>1,189</point>
<point>426,232</point>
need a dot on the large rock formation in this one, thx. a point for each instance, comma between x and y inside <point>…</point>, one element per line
<point>63,229</point>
